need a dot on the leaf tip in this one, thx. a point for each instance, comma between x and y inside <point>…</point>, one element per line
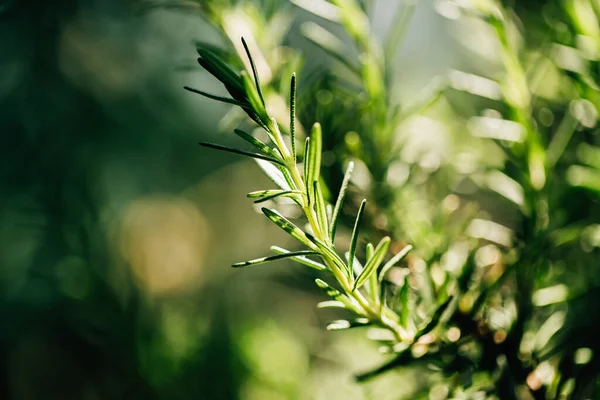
<point>321,283</point>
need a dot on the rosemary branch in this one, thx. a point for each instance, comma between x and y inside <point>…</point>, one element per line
<point>360,287</point>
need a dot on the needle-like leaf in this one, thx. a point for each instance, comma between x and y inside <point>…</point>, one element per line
<point>393,261</point>
<point>320,208</point>
<point>241,152</point>
<point>301,259</point>
<point>254,72</point>
<point>404,297</point>
<point>257,143</point>
<point>340,200</point>
<point>314,159</point>
<point>220,70</point>
<point>264,195</point>
<point>289,227</point>
<point>374,262</point>
<point>354,239</point>
<point>263,260</point>
<point>336,295</point>
<point>293,114</point>
<point>216,97</point>
<point>331,304</point>
<point>343,324</point>
<point>305,161</point>
<point>274,174</point>
<point>357,267</point>
<point>255,100</point>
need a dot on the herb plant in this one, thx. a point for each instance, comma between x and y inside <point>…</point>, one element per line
<point>481,303</point>
<point>360,285</point>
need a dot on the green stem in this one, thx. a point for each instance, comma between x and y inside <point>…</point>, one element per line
<point>381,315</point>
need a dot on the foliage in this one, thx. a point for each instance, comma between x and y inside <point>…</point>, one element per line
<point>490,309</point>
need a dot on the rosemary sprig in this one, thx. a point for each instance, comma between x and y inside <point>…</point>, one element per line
<point>280,164</point>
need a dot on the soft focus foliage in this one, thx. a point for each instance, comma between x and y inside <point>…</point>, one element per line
<point>472,130</point>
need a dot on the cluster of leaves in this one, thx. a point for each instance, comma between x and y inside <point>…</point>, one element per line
<point>491,321</point>
<point>360,286</point>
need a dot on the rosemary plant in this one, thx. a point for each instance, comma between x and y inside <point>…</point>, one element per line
<point>359,284</point>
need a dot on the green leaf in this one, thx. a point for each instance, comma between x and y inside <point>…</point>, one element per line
<point>336,295</point>
<point>340,200</point>
<point>242,152</point>
<point>329,291</point>
<point>287,226</point>
<point>314,155</point>
<point>357,267</point>
<point>305,162</point>
<point>393,261</point>
<point>320,208</point>
<point>329,211</point>
<point>328,252</point>
<point>302,260</point>
<point>354,239</point>
<point>374,262</point>
<point>343,324</point>
<point>264,195</point>
<point>257,143</point>
<point>293,114</point>
<point>274,174</point>
<point>255,100</point>
<point>218,98</point>
<point>404,296</point>
<point>369,251</point>
<point>221,71</point>
<point>263,260</point>
<point>254,72</point>
<point>331,304</point>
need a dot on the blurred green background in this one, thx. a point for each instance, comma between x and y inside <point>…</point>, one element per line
<point>117,230</point>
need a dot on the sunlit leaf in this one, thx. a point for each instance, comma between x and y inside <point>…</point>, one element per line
<point>404,297</point>
<point>340,200</point>
<point>335,294</point>
<point>301,259</point>
<point>274,174</point>
<point>357,267</point>
<point>257,143</point>
<point>255,100</point>
<point>287,226</point>
<point>320,208</point>
<point>343,324</point>
<point>374,262</point>
<point>355,231</point>
<point>393,261</point>
<point>313,162</point>
<point>331,304</point>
